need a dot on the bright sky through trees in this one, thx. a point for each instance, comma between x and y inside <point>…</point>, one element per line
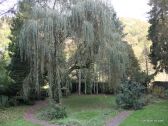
<point>124,8</point>
<point>131,8</point>
<point>6,5</point>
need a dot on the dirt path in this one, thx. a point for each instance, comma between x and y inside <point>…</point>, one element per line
<point>117,120</point>
<point>30,114</point>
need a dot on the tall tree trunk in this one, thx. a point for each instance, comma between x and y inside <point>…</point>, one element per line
<point>79,84</point>
<point>97,88</point>
<point>147,68</point>
<point>91,86</point>
<point>85,86</point>
<point>56,88</point>
<point>94,87</point>
<point>97,80</point>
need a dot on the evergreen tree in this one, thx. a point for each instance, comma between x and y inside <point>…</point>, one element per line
<point>18,68</point>
<point>158,34</point>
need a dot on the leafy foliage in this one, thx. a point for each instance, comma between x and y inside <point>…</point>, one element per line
<point>4,34</point>
<point>4,57</point>
<point>5,80</point>
<point>130,95</point>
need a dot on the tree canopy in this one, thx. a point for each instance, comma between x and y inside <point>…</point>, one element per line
<point>94,28</point>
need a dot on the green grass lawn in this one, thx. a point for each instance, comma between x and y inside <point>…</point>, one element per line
<point>93,111</point>
<point>13,116</point>
<point>90,110</point>
<point>155,114</point>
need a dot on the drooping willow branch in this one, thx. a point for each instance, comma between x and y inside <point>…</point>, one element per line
<point>98,36</point>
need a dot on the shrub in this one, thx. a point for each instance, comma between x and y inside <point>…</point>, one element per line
<point>23,101</point>
<point>13,102</point>
<point>54,111</point>
<point>6,101</point>
<point>19,100</point>
<point>130,95</point>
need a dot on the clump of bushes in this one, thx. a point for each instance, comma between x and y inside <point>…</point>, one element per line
<point>130,95</point>
<point>54,111</point>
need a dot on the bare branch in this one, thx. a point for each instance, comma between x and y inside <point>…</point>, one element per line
<point>10,10</point>
<point>54,4</point>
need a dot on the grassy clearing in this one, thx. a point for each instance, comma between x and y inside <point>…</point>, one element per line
<point>155,114</point>
<point>88,110</point>
<point>13,116</point>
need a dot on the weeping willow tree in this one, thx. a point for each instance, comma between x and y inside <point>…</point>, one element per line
<point>96,31</point>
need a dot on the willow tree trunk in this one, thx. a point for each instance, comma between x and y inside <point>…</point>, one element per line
<point>56,93</point>
<point>57,85</point>
<point>56,88</point>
